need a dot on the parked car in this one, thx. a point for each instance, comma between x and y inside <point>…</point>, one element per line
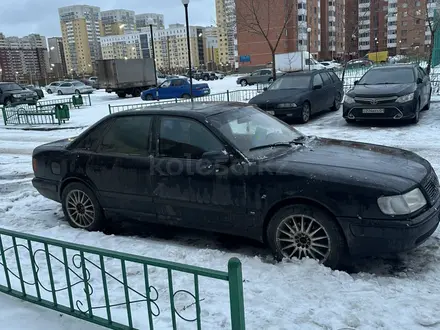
<point>53,87</point>
<point>220,75</point>
<point>257,77</point>
<point>232,168</point>
<point>397,92</point>
<point>208,76</point>
<point>35,89</point>
<point>301,94</point>
<point>175,88</point>
<point>358,63</point>
<point>331,64</point>
<point>12,93</point>
<point>74,87</point>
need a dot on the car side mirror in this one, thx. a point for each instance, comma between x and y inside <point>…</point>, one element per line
<point>419,80</point>
<point>356,82</point>
<point>216,157</point>
<point>265,89</point>
<point>317,87</point>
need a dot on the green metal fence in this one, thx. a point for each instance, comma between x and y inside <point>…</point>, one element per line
<point>86,100</point>
<point>243,95</point>
<point>115,290</point>
<point>31,115</point>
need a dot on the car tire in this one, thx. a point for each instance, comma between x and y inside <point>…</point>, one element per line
<point>205,78</point>
<point>416,118</point>
<point>337,102</point>
<point>428,105</point>
<point>243,82</point>
<point>149,97</point>
<point>350,121</point>
<point>305,112</point>
<point>137,92</point>
<point>304,230</point>
<point>49,91</point>
<point>121,95</point>
<point>186,96</point>
<point>270,80</point>
<point>8,102</point>
<point>60,93</point>
<point>77,92</point>
<point>81,207</point>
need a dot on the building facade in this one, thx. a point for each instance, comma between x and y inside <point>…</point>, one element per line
<point>81,31</point>
<point>227,31</point>
<point>57,58</point>
<point>127,46</point>
<point>212,53</point>
<point>332,29</point>
<point>23,59</point>
<point>143,21</point>
<point>171,49</point>
<point>117,22</point>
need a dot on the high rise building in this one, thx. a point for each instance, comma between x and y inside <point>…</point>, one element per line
<point>57,58</point>
<point>81,31</point>
<point>212,48</point>
<point>23,59</point>
<point>332,29</point>
<point>143,21</point>
<point>227,31</point>
<point>127,46</point>
<point>118,21</point>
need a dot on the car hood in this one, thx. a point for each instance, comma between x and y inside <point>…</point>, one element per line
<point>278,96</point>
<point>351,158</point>
<point>382,90</point>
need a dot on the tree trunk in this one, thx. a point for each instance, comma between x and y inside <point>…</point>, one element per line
<point>431,50</point>
<point>274,71</point>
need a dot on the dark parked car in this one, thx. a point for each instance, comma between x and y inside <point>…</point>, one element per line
<point>301,94</point>
<point>397,92</point>
<point>35,89</point>
<point>234,169</point>
<point>12,93</point>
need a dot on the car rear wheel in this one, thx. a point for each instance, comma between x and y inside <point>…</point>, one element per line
<point>428,105</point>
<point>186,96</point>
<point>122,95</point>
<point>305,112</point>
<point>49,91</point>
<point>270,80</point>
<point>302,230</point>
<point>77,92</point>
<point>337,102</point>
<point>243,82</point>
<point>137,92</point>
<point>60,93</point>
<point>205,78</point>
<point>81,208</point>
<point>8,102</point>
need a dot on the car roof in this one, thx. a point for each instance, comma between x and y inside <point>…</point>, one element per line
<point>304,72</point>
<point>196,110</point>
<point>396,66</point>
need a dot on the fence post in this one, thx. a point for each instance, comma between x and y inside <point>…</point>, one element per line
<point>227,95</point>
<point>90,100</point>
<point>236,294</point>
<point>109,109</point>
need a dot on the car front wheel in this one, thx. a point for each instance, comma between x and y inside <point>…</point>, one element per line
<point>337,102</point>
<point>243,82</point>
<point>416,118</point>
<point>49,91</point>
<point>81,208</point>
<point>303,230</point>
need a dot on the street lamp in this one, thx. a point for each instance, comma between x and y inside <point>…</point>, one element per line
<point>309,29</point>
<point>150,23</point>
<point>377,46</point>
<point>16,76</point>
<point>185,4</point>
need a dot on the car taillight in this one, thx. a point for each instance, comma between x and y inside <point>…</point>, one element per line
<point>34,165</point>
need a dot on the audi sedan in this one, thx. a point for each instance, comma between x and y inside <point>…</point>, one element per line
<point>74,87</point>
<point>234,169</point>
<point>393,92</point>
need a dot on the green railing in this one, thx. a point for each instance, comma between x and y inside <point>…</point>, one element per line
<point>31,115</point>
<point>71,101</point>
<point>243,95</point>
<point>113,289</point>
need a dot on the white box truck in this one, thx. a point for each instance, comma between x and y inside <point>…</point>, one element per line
<point>296,61</point>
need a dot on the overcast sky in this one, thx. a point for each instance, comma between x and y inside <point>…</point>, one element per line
<point>19,18</point>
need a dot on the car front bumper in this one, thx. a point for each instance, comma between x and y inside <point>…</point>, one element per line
<point>368,237</point>
<point>47,188</point>
<point>393,111</point>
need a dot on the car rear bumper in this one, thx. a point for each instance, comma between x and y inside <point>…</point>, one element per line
<point>366,237</point>
<point>47,188</point>
<point>393,111</point>
<point>284,112</point>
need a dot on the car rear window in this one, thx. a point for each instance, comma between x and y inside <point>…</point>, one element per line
<point>390,75</point>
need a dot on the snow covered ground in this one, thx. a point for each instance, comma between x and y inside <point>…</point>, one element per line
<point>386,293</point>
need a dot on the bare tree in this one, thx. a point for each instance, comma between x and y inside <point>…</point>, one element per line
<point>256,17</point>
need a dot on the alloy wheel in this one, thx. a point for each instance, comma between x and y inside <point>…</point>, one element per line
<point>80,208</point>
<point>306,112</point>
<point>302,236</point>
<point>337,103</point>
<point>243,83</point>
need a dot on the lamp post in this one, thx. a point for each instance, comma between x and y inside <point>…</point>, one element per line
<point>1,74</point>
<point>309,30</point>
<point>16,76</point>
<point>377,46</point>
<point>185,4</point>
<point>150,23</point>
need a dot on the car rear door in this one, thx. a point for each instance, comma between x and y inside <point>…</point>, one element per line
<point>319,97</point>
<point>329,89</point>
<point>64,88</point>
<point>177,88</point>
<point>425,86</point>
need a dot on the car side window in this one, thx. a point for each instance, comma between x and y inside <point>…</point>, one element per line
<point>65,85</point>
<point>266,72</point>
<point>257,73</point>
<point>334,76</point>
<point>326,78</point>
<point>166,84</point>
<point>177,82</point>
<point>317,80</point>
<point>128,135</point>
<point>185,138</point>
<point>91,140</point>
<point>420,73</point>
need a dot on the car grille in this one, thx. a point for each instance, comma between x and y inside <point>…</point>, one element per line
<point>375,100</point>
<point>431,186</point>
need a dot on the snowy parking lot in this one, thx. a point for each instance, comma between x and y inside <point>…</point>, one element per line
<point>401,292</point>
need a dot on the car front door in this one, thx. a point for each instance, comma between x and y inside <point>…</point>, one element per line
<point>255,77</point>
<point>188,190</point>
<point>65,88</point>
<point>121,168</point>
<point>164,90</point>
<point>177,88</point>
<point>319,97</point>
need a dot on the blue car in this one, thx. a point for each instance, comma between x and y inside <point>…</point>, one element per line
<point>175,88</point>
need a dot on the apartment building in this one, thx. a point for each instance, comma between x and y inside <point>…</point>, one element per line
<point>212,53</point>
<point>57,58</point>
<point>171,49</point>
<point>227,31</point>
<point>306,14</point>
<point>23,59</point>
<point>143,21</point>
<point>128,46</point>
<point>117,22</point>
<point>81,31</point>
<point>332,29</point>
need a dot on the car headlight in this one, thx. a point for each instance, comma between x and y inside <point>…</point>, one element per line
<point>405,98</point>
<point>349,99</point>
<point>17,96</point>
<point>402,204</point>
<point>287,105</point>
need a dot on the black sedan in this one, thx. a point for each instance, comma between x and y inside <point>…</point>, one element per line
<point>231,168</point>
<point>37,90</point>
<point>301,94</point>
<point>397,92</point>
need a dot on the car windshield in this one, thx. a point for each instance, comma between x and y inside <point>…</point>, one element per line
<point>291,82</point>
<point>390,75</point>
<point>249,130</point>
<point>11,87</point>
